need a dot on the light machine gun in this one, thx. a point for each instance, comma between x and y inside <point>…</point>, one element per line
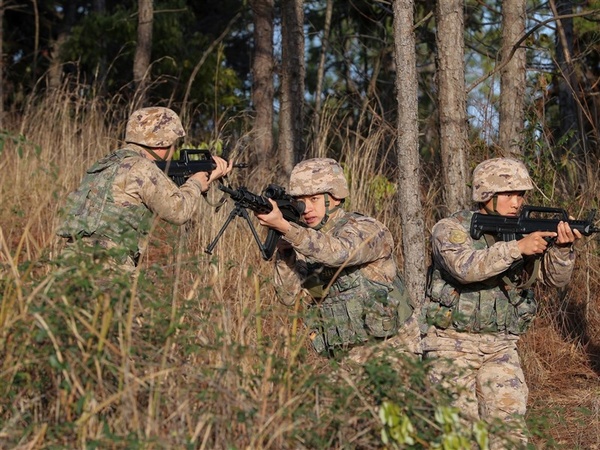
<point>191,161</point>
<point>531,218</point>
<point>291,209</point>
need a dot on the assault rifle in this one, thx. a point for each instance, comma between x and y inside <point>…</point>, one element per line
<point>191,161</point>
<point>291,209</point>
<point>531,218</point>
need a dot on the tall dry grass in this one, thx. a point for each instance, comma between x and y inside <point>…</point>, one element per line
<point>196,352</point>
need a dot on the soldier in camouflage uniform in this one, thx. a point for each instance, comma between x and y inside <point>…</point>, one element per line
<point>480,298</point>
<point>119,195</point>
<point>342,265</point>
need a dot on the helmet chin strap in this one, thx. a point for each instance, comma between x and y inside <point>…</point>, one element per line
<point>327,212</point>
<point>493,212</point>
<point>153,153</point>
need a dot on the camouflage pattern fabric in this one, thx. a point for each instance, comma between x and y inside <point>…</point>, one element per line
<point>467,262</point>
<point>120,195</point>
<point>91,209</point>
<point>407,339</point>
<point>467,288</point>
<point>484,372</point>
<point>481,338</point>
<point>499,175</point>
<point>318,176</point>
<point>352,312</point>
<point>104,253</point>
<point>154,126</point>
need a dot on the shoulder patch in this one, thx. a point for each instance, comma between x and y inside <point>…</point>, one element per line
<point>458,236</point>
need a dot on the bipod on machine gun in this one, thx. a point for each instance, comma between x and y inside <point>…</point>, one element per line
<point>191,161</point>
<point>531,218</point>
<point>291,209</point>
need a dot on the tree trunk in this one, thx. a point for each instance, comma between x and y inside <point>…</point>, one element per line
<point>99,8</point>
<point>262,84</point>
<point>512,78</point>
<point>55,68</point>
<point>567,79</point>
<point>321,74</point>
<point>409,198</point>
<point>292,85</point>
<point>143,50</point>
<point>452,101</point>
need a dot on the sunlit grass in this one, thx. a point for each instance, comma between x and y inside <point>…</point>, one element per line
<point>195,351</point>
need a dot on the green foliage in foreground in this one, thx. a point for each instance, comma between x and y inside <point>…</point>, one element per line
<point>95,358</point>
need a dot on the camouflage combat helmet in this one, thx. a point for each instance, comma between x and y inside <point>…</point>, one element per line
<point>318,176</point>
<point>154,127</point>
<point>499,175</point>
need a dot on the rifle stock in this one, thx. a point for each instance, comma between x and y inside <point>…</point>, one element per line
<point>291,209</point>
<point>531,219</point>
<point>191,161</point>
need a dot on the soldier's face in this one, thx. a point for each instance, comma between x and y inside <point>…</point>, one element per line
<point>508,203</point>
<point>315,208</point>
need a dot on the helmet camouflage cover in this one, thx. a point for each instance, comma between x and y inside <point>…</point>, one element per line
<point>154,127</point>
<point>318,176</point>
<point>499,175</point>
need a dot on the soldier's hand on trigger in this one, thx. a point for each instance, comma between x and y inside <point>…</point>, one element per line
<point>274,219</point>
<point>535,243</point>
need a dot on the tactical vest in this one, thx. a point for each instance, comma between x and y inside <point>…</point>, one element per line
<point>350,308</point>
<point>495,305</point>
<point>91,210</point>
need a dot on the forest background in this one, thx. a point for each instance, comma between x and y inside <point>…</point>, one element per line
<point>408,95</point>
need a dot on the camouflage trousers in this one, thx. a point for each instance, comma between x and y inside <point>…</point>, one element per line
<point>484,371</point>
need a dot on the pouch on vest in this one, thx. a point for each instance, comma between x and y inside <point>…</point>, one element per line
<point>358,309</point>
<point>491,304</point>
<point>522,312</point>
<point>386,309</point>
<point>443,297</point>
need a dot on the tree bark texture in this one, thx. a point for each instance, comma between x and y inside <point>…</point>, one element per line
<point>292,84</point>
<point>321,73</point>
<point>568,86</point>
<point>512,78</point>
<point>452,101</point>
<point>55,68</point>
<point>262,81</point>
<point>409,197</point>
<point>143,49</point>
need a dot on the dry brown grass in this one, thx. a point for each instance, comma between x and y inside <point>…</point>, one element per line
<point>194,382</point>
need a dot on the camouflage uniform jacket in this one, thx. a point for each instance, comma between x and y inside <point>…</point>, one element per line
<point>474,286</point>
<point>118,197</point>
<point>365,299</point>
